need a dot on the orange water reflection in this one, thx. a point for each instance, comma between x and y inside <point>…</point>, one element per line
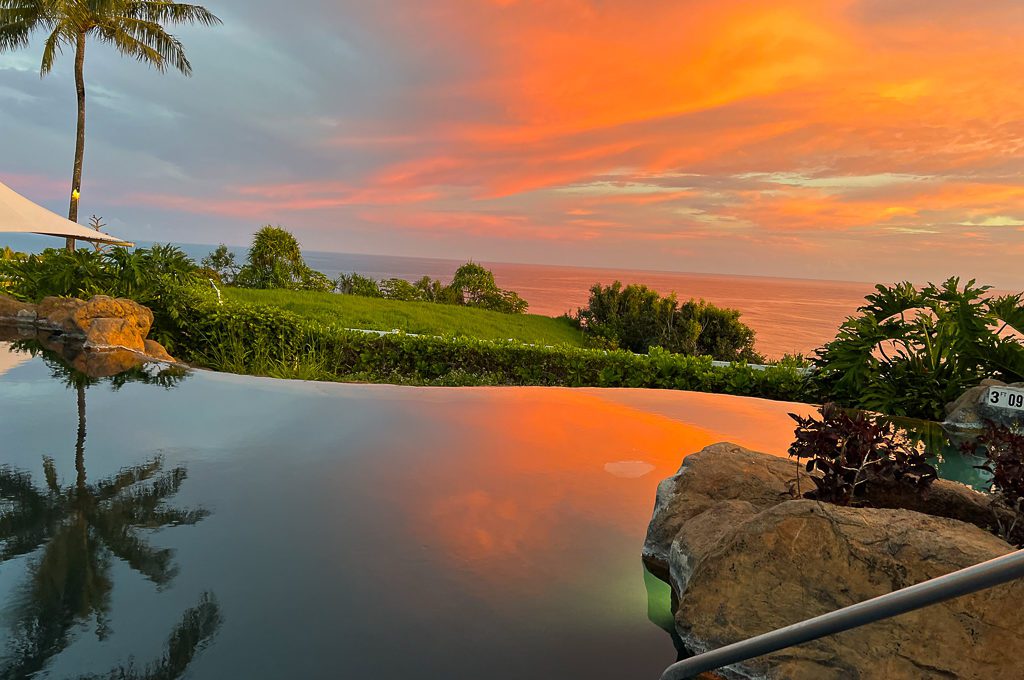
<point>536,470</point>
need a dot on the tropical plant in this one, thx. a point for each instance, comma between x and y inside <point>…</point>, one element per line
<point>135,28</point>
<point>1003,449</point>
<point>636,318</point>
<point>222,263</point>
<point>846,453</point>
<point>910,351</point>
<point>357,284</point>
<point>118,272</point>
<point>275,261</point>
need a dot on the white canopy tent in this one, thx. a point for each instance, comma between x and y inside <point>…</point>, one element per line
<point>18,215</point>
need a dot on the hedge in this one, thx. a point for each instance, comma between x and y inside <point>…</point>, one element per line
<point>260,340</point>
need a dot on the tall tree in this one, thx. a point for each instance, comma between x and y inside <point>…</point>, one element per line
<point>136,28</point>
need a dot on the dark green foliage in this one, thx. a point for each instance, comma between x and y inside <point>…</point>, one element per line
<point>911,351</point>
<point>222,262</point>
<point>472,286</point>
<point>119,272</point>
<point>1003,449</point>
<point>275,261</point>
<point>634,317</point>
<point>264,340</point>
<point>357,284</point>
<point>847,453</point>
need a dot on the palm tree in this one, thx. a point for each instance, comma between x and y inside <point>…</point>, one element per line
<point>134,27</point>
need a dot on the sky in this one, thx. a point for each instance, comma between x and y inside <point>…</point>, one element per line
<point>866,140</point>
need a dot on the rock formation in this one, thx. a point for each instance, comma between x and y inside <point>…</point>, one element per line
<point>101,324</point>
<point>746,555</point>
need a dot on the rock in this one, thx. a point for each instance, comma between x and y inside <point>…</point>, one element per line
<point>136,316</point>
<point>15,311</point>
<point>719,472</point>
<point>105,333</point>
<point>969,413</point>
<point>802,558</point>
<point>59,314</point>
<point>155,350</point>
<point>745,557</point>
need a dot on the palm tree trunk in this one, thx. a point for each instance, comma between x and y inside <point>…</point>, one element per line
<point>80,440</point>
<point>76,177</point>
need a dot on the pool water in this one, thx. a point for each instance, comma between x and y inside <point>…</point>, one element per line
<point>218,526</point>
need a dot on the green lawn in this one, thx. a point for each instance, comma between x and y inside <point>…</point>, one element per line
<point>425,318</point>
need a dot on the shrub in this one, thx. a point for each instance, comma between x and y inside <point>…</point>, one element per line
<point>1004,452</point>
<point>222,262</point>
<point>269,341</point>
<point>911,351</point>
<point>357,284</point>
<point>474,286</point>
<point>275,261</point>
<point>634,317</point>
<point>138,274</point>
<point>846,453</point>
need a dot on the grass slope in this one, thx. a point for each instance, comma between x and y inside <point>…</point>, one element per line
<point>425,318</point>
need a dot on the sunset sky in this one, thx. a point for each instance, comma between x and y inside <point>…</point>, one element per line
<point>864,140</point>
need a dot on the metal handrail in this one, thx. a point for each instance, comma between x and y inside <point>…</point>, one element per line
<point>964,582</point>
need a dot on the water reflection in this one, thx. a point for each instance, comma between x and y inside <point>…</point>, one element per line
<point>71,534</point>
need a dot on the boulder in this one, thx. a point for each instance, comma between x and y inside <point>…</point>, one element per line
<point>967,415</point>
<point>137,317</point>
<point>719,472</point>
<point>154,350</point>
<point>802,558</point>
<point>746,556</point>
<point>114,332</point>
<point>56,313</point>
<point>15,311</point>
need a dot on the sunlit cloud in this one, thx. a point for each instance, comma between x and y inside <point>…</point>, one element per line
<point>578,131</point>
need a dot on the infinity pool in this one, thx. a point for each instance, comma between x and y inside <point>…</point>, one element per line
<point>217,526</point>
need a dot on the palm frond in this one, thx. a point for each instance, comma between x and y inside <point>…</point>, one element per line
<point>111,32</point>
<point>154,36</point>
<point>165,11</point>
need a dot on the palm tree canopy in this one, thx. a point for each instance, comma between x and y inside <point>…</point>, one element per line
<point>134,27</point>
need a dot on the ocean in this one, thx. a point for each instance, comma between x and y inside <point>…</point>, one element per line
<point>788,315</point>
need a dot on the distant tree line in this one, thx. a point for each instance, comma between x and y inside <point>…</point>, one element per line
<point>275,262</point>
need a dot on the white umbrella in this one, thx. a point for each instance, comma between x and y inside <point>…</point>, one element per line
<point>18,215</point>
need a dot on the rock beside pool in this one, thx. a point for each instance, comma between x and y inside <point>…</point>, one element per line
<point>101,324</point>
<point>746,556</point>
<point>17,312</point>
<point>718,473</point>
<point>967,415</point>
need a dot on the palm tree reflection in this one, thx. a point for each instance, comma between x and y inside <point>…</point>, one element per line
<point>79,529</point>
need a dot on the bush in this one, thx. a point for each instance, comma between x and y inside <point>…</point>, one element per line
<point>847,453</point>
<point>1004,452</point>
<point>222,263</point>
<point>357,284</point>
<point>264,340</point>
<point>911,351</point>
<point>634,317</point>
<point>275,261</point>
